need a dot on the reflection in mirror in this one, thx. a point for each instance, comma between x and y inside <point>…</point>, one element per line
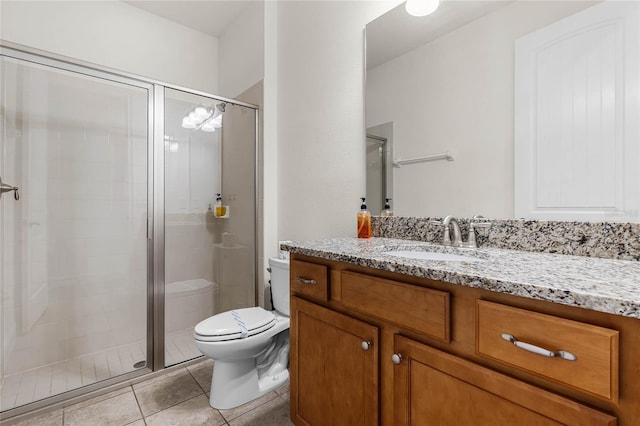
<point>447,83</point>
<point>379,163</point>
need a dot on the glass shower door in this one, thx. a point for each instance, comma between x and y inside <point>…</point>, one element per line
<point>376,173</point>
<point>73,259</point>
<point>210,149</point>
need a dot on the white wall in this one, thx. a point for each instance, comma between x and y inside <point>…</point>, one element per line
<point>116,35</point>
<point>268,206</point>
<point>241,52</point>
<point>456,94</point>
<point>320,122</point>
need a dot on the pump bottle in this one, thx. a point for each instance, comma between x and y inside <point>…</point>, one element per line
<point>387,209</point>
<point>220,209</point>
<point>364,221</point>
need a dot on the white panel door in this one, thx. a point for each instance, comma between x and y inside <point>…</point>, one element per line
<point>576,119</point>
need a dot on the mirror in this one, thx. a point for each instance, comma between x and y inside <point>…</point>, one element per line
<point>441,90</point>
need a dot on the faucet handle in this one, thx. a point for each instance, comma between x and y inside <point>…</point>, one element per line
<point>473,225</point>
<point>471,241</point>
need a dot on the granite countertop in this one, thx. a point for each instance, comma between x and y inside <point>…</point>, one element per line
<point>605,285</point>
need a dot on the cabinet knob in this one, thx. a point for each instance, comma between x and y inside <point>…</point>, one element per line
<point>366,345</point>
<point>397,358</point>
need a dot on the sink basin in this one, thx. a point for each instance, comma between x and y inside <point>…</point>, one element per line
<point>430,255</point>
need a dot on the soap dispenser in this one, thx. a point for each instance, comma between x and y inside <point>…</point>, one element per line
<point>221,210</point>
<point>364,221</point>
<point>387,208</point>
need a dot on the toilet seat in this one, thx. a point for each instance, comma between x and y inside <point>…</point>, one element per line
<point>235,324</point>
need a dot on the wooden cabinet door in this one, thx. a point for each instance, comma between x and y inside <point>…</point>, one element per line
<point>435,388</point>
<point>334,367</point>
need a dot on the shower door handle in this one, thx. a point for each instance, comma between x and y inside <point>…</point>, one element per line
<point>8,188</point>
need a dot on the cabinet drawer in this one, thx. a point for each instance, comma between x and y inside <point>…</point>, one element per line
<point>415,308</point>
<point>309,279</point>
<point>594,370</point>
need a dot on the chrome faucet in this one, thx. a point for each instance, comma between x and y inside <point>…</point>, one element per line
<point>450,222</point>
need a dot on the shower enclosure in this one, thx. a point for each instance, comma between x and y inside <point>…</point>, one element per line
<point>209,259</point>
<point>110,249</point>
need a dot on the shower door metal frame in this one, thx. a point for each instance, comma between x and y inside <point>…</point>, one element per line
<point>13,51</point>
<point>157,236</point>
<point>155,210</point>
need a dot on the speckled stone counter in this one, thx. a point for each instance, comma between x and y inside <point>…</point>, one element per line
<point>606,285</point>
<point>611,240</point>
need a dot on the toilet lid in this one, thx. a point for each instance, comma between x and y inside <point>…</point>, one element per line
<point>235,324</point>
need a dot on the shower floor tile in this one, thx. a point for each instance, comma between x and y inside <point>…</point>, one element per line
<point>180,346</point>
<point>39,383</point>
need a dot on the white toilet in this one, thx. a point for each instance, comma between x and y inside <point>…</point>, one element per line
<point>249,346</point>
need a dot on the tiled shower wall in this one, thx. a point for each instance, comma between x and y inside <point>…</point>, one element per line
<point>76,270</point>
<point>192,179</point>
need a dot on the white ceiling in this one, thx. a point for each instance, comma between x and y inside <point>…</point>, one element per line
<point>396,32</point>
<point>208,16</point>
<point>384,41</point>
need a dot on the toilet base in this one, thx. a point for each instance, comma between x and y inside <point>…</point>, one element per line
<point>236,383</point>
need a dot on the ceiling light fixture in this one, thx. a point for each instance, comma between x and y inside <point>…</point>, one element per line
<point>421,7</point>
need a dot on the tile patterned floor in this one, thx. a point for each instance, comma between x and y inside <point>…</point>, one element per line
<point>177,398</point>
<point>38,383</point>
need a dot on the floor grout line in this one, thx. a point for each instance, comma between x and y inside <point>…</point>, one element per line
<point>171,406</point>
<point>139,407</point>
<point>196,380</point>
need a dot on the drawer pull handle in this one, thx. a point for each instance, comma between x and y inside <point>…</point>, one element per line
<point>537,349</point>
<point>366,344</point>
<point>306,281</point>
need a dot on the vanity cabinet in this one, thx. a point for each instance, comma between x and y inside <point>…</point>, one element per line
<point>372,347</point>
<point>334,367</point>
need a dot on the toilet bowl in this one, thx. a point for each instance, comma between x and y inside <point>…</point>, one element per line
<point>249,346</point>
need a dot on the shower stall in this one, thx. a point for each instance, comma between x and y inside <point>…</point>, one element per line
<point>111,246</point>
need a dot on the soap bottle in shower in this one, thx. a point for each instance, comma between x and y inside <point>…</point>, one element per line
<point>364,221</point>
<point>387,208</point>
<point>220,209</point>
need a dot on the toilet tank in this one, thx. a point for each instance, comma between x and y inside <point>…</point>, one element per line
<point>280,284</point>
